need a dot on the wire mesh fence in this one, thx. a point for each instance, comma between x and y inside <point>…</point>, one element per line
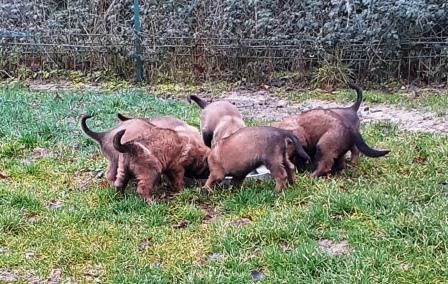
<point>189,58</point>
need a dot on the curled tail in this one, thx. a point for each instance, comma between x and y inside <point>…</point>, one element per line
<point>97,136</point>
<point>358,90</point>
<point>365,149</point>
<point>200,102</point>
<point>122,117</point>
<point>122,148</point>
<point>300,152</point>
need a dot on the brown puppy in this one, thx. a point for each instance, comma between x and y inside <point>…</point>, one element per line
<point>155,151</point>
<point>218,120</point>
<point>134,128</point>
<point>250,147</point>
<point>170,122</point>
<point>351,118</point>
<point>326,137</point>
<point>198,168</point>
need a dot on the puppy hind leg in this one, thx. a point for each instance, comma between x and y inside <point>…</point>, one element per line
<point>354,154</point>
<point>324,162</point>
<point>339,164</point>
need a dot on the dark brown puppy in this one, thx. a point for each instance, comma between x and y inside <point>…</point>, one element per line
<point>155,151</point>
<point>218,119</point>
<point>134,128</point>
<point>351,118</point>
<point>326,137</point>
<point>250,147</point>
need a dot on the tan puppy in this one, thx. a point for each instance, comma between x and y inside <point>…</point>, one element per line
<point>170,122</point>
<point>326,137</point>
<point>250,147</point>
<point>218,120</point>
<point>155,151</point>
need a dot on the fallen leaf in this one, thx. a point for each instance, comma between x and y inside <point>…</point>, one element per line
<point>420,160</point>
<point>181,224</point>
<point>54,204</point>
<point>334,248</point>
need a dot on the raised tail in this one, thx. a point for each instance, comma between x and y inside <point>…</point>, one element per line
<point>122,148</point>
<point>200,102</point>
<point>365,149</point>
<point>122,117</point>
<point>358,90</point>
<point>97,136</point>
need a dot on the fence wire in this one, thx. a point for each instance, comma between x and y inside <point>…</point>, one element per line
<point>192,58</point>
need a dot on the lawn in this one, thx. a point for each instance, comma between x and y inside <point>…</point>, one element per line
<point>385,219</point>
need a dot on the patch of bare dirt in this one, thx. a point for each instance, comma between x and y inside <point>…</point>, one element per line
<point>8,276</point>
<point>42,85</point>
<point>262,105</point>
<point>333,248</point>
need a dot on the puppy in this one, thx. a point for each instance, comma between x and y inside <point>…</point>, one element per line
<point>134,128</point>
<point>170,122</point>
<point>197,168</point>
<point>251,147</point>
<point>155,151</point>
<point>218,120</point>
<point>351,118</point>
<point>327,137</point>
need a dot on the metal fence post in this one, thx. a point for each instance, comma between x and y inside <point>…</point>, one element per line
<point>137,43</point>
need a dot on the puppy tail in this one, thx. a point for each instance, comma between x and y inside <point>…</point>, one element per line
<point>96,136</point>
<point>200,102</point>
<point>122,117</point>
<point>358,90</point>
<point>300,152</point>
<point>365,149</point>
<point>122,148</point>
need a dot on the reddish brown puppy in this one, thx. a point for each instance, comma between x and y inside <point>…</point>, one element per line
<point>250,147</point>
<point>156,151</point>
<point>327,138</point>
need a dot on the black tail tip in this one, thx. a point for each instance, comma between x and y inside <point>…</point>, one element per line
<point>86,116</point>
<point>122,117</point>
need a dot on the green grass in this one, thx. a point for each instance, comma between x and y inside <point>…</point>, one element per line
<point>391,210</point>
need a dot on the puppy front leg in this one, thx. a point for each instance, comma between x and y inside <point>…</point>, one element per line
<point>146,182</point>
<point>280,175</point>
<point>176,178</point>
